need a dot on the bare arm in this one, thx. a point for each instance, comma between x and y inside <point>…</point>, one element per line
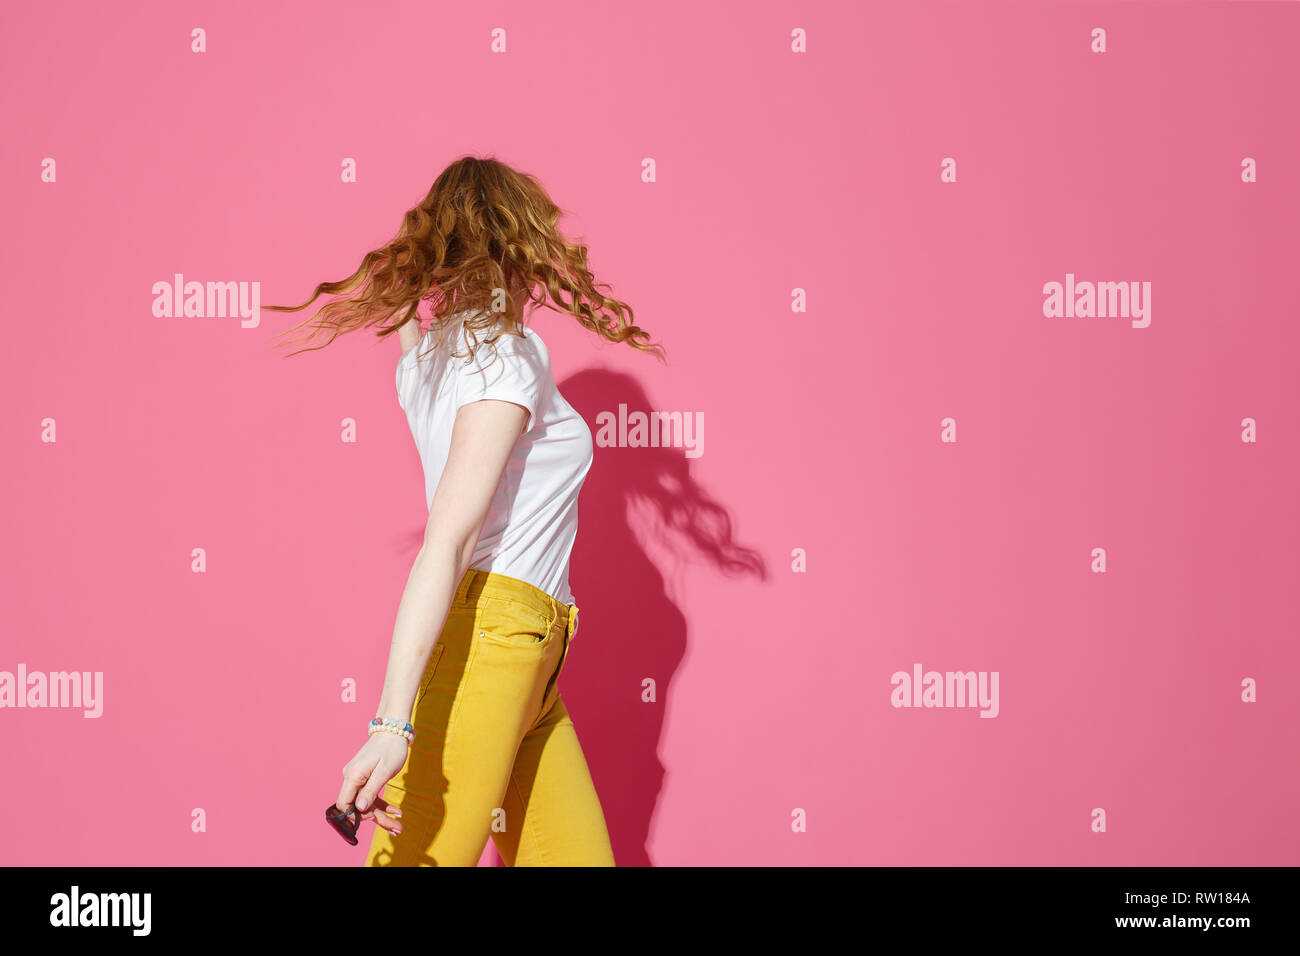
<point>481,441</point>
<point>482,438</point>
<point>409,336</point>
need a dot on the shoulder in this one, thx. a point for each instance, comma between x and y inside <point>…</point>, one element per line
<point>528,347</point>
<point>533,343</point>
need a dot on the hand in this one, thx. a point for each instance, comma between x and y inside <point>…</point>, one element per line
<point>364,777</point>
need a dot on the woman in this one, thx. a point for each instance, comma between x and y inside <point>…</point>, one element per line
<point>471,739</point>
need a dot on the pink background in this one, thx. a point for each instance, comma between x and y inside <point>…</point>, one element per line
<point>777,171</point>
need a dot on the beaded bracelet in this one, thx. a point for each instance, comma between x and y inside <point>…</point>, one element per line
<point>392,725</point>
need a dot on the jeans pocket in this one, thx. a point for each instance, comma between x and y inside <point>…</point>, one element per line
<point>506,624</point>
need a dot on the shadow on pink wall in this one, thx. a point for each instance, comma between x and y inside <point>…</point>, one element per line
<point>629,629</point>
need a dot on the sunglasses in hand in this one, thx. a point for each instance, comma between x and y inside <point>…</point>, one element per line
<point>344,821</point>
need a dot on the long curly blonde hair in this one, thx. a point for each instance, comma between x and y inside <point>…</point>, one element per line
<point>483,242</point>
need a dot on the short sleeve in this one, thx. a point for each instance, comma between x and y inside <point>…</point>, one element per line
<point>511,369</point>
<point>406,377</point>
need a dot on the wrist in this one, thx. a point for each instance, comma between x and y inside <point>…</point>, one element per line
<point>392,726</point>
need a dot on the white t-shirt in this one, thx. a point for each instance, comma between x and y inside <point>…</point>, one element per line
<point>533,519</point>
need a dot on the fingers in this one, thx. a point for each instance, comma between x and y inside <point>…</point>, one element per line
<point>361,787</point>
<point>364,778</point>
<point>389,818</point>
<point>379,774</point>
<point>355,776</point>
<point>366,798</point>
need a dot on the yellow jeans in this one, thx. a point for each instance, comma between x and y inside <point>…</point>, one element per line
<point>495,752</point>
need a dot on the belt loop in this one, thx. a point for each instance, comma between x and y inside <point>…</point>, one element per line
<point>553,606</point>
<point>462,589</point>
<point>573,622</point>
